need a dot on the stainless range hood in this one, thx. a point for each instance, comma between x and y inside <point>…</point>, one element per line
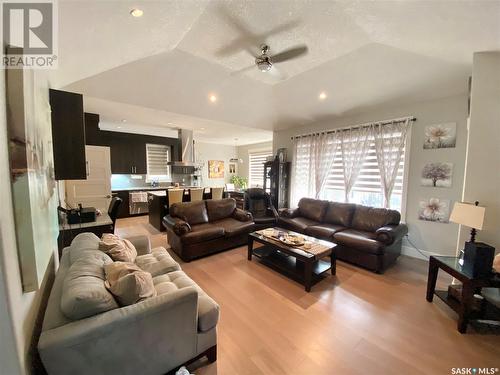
<point>187,148</point>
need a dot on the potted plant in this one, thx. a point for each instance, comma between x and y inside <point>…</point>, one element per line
<point>239,182</point>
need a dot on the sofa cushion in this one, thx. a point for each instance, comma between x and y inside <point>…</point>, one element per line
<point>313,209</point>
<point>201,233</point>
<point>128,283</point>
<point>83,292</point>
<point>360,240</point>
<point>118,249</point>
<point>298,224</point>
<point>233,227</point>
<point>264,220</point>
<point>339,213</point>
<point>158,262</point>
<point>208,309</point>
<point>370,218</point>
<point>191,212</point>
<point>220,208</point>
<point>324,231</point>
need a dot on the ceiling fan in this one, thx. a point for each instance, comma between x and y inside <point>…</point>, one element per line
<point>248,40</point>
<point>265,62</point>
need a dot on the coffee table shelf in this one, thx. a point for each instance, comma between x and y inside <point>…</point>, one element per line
<point>288,264</point>
<point>295,263</point>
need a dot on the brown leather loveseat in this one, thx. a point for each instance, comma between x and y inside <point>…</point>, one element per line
<point>366,236</point>
<point>199,228</point>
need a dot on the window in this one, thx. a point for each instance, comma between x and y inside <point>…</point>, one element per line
<point>368,189</point>
<point>157,157</point>
<point>312,153</point>
<point>256,160</point>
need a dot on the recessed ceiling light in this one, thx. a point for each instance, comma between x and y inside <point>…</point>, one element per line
<point>118,127</point>
<point>212,98</point>
<point>202,128</point>
<point>124,120</point>
<point>322,95</point>
<point>136,12</point>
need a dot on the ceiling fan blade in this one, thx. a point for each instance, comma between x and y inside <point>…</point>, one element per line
<point>289,54</point>
<point>241,71</point>
<point>245,37</point>
<point>284,27</point>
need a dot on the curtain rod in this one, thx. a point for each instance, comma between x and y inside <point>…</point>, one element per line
<point>383,122</point>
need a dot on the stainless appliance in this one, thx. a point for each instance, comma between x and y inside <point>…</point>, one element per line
<point>138,202</point>
<point>186,165</point>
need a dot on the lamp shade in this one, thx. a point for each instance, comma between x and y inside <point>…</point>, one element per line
<point>468,214</point>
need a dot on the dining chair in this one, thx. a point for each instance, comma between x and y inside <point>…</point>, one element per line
<point>175,196</point>
<point>196,194</point>
<point>114,205</point>
<point>216,192</point>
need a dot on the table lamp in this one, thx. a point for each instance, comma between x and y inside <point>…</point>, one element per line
<point>476,256</point>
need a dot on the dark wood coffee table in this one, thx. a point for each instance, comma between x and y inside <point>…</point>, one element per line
<point>295,262</point>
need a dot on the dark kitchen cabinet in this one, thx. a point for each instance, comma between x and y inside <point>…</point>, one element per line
<point>128,154</point>
<point>128,151</point>
<point>68,135</point>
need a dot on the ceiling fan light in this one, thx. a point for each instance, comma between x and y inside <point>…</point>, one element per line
<point>264,66</point>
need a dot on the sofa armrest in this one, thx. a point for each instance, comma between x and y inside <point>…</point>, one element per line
<point>179,226</point>
<point>165,325</point>
<point>289,212</point>
<point>141,244</point>
<point>391,233</point>
<point>271,211</point>
<point>242,215</point>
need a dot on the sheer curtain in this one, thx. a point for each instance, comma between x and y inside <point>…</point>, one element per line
<point>355,143</point>
<point>389,146</point>
<point>313,157</point>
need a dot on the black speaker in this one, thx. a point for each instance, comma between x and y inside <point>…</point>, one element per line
<point>478,259</point>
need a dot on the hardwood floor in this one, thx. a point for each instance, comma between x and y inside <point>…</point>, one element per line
<point>355,323</point>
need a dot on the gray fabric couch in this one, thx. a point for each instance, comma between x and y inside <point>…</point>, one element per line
<point>153,336</point>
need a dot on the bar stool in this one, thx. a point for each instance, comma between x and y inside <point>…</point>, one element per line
<point>216,192</point>
<point>196,194</point>
<point>174,196</point>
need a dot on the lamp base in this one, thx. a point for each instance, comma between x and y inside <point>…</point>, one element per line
<point>478,259</point>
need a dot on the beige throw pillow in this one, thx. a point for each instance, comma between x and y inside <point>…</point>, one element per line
<point>118,249</point>
<point>128,283</point>
<point>496,263</point>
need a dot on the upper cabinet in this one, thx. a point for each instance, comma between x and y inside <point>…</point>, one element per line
<point>128,151</point>
<point>68,135</point>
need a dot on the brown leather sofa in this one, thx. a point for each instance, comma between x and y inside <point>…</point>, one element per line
<point>366,236</point>
<point>200,228</point>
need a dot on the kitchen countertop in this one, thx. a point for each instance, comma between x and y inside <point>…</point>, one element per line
<point>162,193</point>
<point>148,188</point>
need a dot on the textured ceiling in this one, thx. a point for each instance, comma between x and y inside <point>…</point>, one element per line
<point>361,53</point>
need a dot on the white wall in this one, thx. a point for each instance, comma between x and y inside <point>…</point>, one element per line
<point>243,154</point>
<point>22,308</point>
<point>482,178</point>
<point>208,151</point>
<point>427,236</point>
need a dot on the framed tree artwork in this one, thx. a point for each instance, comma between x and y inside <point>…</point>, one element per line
<point>215,169</point>
<point>437,174</point>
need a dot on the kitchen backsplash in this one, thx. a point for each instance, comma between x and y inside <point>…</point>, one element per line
<point>125,181</point>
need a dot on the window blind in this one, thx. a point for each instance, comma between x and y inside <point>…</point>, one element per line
<point>158,157</point>
<point>256,167</point>
<point>368,187</point>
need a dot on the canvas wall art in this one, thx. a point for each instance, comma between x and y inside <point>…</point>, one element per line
<point>31,173</point>
<point>437,174</point>
<point>434,209</point>
<point>440,136</point>
<point>215,169</point>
